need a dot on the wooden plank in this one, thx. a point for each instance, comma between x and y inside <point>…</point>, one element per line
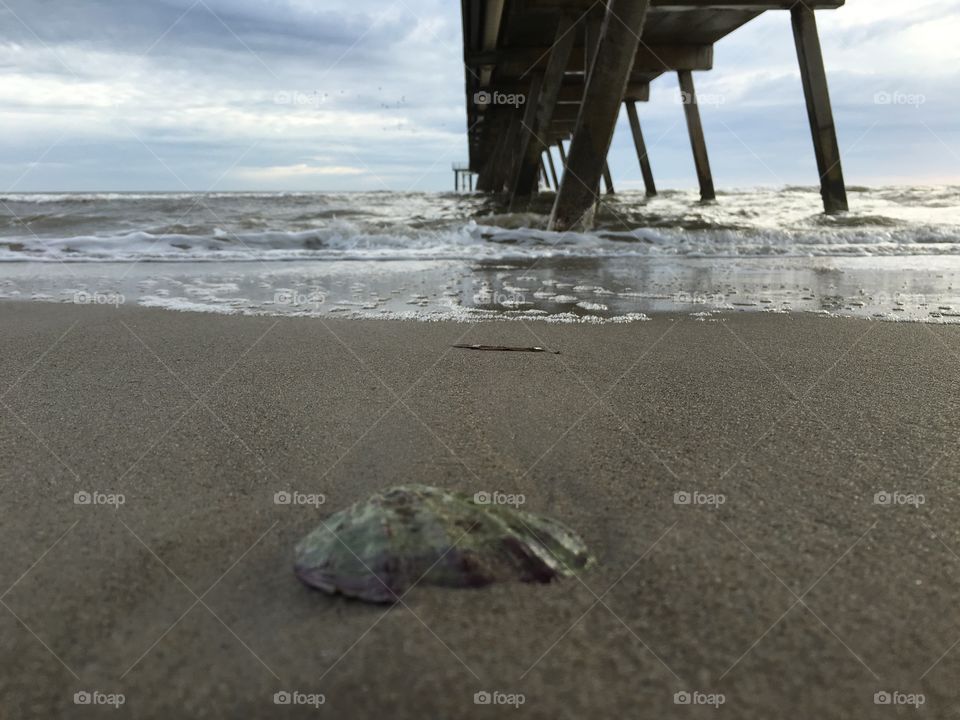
<point>814,76</point>
<point>697,140</point>
<point>619,39</point>
<point>641,146</point>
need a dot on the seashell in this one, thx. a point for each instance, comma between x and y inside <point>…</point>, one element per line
<point>378,549</point>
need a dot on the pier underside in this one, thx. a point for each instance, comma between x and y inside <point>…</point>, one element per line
<point>541,72</point>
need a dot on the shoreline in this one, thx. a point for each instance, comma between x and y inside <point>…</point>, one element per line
<point>912,289</point>
<point>796,421</point>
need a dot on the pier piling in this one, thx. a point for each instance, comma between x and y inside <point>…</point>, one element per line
<point>697,140</point>
<point>817,95</point>
<point>641,146</point>
<point>523,182</point>
<point>553,169</point>
<point>604,91</point>
<point>608,179</point>
<point>541,72</point>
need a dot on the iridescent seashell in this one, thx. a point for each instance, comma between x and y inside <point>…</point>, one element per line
<point>376,550</point>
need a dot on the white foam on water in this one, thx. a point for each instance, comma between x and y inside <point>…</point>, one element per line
<point>266,227</point>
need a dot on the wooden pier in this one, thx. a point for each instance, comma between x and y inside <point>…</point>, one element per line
<point>541,72</point>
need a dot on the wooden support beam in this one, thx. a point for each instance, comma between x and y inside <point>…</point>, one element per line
<point>543,105</point>
<point>485,177</point>
<point>521,170</point>
<point>697,140</point>
<point>592,28</point>
<point>570,92</point>
<point>814,75</point>
<point>503,157</point>
<point>576,199</point>
<point>515,62</point>
<point>641,146</point>
<point>608,179</point>
<point>553,168</point>
<point>591,43</point>
<point>638,92</point>
<point>498,124</point>
<point>493,16</point>
<point>566,111</point>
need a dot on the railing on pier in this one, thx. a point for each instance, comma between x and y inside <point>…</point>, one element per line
<point>462,176</point>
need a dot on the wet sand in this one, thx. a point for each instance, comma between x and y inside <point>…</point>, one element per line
<point>798,595</point>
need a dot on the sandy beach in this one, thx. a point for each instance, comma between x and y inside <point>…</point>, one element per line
<point>782,585</point>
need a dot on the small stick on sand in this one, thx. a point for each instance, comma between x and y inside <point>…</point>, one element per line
<point>503,348</point>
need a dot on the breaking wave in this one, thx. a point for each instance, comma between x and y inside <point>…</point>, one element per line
<point>264,227</point>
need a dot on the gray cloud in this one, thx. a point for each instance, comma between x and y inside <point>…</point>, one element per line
<point>170,27</point>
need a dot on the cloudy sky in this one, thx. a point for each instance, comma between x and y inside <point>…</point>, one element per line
<point>368,94</point>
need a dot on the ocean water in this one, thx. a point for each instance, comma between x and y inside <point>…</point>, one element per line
<point>896,255</point>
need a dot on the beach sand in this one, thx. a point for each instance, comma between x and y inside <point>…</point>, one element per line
<point>797,597</point>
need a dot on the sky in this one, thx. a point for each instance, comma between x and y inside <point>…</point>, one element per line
<point>226,95</point>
